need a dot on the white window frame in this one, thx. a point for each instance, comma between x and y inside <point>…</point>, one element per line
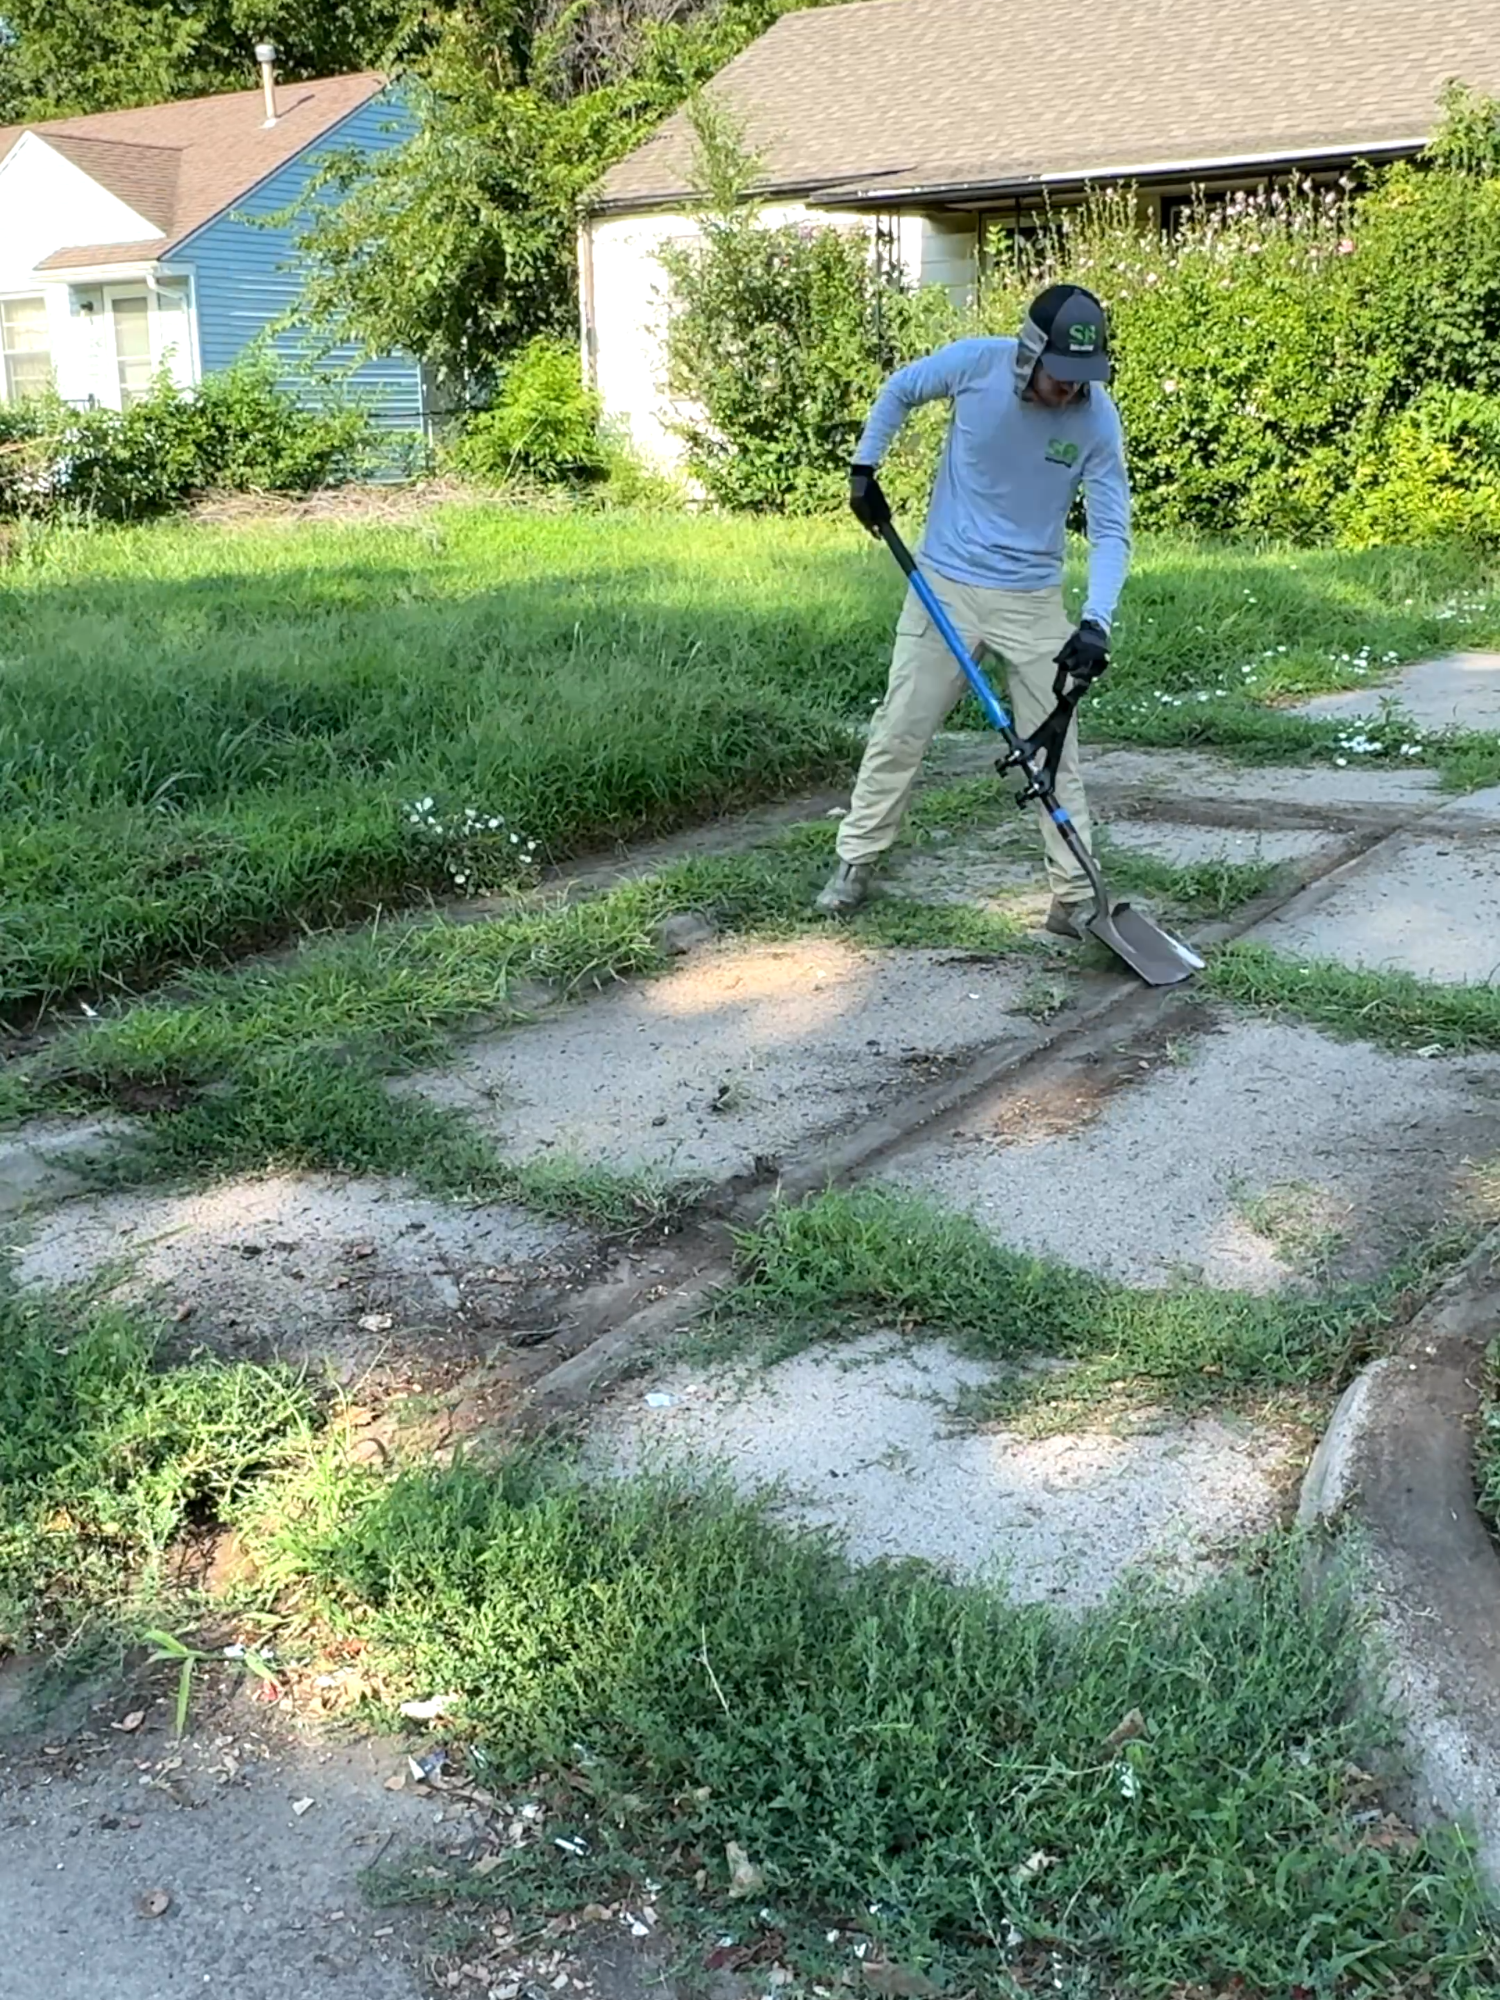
<point>7,386</point>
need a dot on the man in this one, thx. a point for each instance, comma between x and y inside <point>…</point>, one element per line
<point>1032,421</point>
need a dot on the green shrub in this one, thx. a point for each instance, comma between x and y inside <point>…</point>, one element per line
<point>1240,373</point>
<point>253,437</point>
<point>238,431</point>
<point>1273,355</point>
<point>1434,476</point>
<point>779,341</point>
<point>543,424</point>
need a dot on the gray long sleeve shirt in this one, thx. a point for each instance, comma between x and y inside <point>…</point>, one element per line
<point>1009,471</point>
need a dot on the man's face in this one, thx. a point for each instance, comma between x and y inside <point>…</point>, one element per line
<point>1052,394</point>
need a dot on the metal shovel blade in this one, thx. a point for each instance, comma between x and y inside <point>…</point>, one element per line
<point>1151,952</point>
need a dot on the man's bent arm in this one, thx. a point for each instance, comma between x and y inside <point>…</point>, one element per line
<point>926,381</point>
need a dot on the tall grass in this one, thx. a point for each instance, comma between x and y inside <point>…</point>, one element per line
<point>209,737</point>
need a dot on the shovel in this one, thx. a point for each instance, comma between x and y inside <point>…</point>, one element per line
<point>1149,951</point>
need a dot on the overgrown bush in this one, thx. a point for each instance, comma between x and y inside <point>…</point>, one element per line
<point>779,340</point>
<point>1433,475</point>
<point>238,431</point>
<point>1301,362</point>
<point>543,423</point>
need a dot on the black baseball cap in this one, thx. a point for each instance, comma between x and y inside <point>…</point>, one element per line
<point>1075,334</point>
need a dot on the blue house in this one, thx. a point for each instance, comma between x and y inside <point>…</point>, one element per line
<point>130,241</point>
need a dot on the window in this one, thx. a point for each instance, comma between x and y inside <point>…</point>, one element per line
<point>132,346</point>
<point>25,359</point>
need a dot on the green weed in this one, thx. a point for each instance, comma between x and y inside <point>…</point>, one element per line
<point>107,1455</point>
<point>924,1766</point>
<point>845,1262</point>
<point>1394,1009</point>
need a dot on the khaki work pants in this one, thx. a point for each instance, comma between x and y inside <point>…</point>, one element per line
<point>1027,629</point>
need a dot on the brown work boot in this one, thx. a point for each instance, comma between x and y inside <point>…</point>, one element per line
<point>1068,919</point>
<point>845,889</point>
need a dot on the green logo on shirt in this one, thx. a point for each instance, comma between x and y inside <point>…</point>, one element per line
<point>1062,451</point>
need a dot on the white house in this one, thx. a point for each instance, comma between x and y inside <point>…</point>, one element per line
<point>133,242</point>
<point>927,123</point>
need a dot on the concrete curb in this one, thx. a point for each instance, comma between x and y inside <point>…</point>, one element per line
<point>1393,1482</point>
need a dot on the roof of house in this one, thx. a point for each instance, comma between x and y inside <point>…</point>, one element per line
<point>179,165</point>
<point>905,97</point>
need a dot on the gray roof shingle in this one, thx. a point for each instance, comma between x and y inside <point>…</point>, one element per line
<point>904,95</point>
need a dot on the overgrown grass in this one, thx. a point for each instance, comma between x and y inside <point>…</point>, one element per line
<point>285,1062</point>
<point>922,1766</point>
<point>107,1457</point>
<point>209,737</point>
<point>1395,1009</point>
<point>843,1263</point>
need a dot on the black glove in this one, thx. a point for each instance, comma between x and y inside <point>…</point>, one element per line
<point>1085,656</point>
<point>867,503</point>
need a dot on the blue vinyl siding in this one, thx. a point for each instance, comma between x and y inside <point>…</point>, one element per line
<point>245,276</point>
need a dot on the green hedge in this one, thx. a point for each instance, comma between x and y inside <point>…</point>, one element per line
<point>1311,364</point>
<point>238,432</point>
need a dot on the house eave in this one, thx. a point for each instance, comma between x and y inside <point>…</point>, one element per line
<point>881,194</point>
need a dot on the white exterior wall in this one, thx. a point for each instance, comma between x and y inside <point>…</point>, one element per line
<point>624,294</point>
<point>625,304</point>
<point>47,204</point>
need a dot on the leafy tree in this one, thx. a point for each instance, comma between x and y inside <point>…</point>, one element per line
<point>65,56</point>
<point>458,246</point>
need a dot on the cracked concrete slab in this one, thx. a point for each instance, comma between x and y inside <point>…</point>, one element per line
<point>265,1903</point>
<point>1426,902</point>
<point>1184,843</point>
<point>745,1053</point>
<point>1239,1156</point>
<point>1166,775</point>
<point>40,1162</point>
<point>1458,691</point>
<point>309,1266</point>
<point>860,1439</point>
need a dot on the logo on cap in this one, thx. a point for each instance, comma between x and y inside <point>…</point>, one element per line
<point>1083,337</point>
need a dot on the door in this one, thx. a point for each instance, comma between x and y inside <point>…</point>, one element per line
<point>132,323</point>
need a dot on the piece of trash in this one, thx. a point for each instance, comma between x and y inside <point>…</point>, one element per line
<point>640,1930</point>
<point>1133,1725</point>
<point>574,1847</point>
<point>745,1879</point>
<point>430,1709</point>
<point>427,1766</point>
<point>301,1806</point>
<point>155,1903</point>
<point>376,1323</point>
<point>1130,1785</point>
<point>128,1724</point>
<point>659,1399</point>
<point>1033,1866</point>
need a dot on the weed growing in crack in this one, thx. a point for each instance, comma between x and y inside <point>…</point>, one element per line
<point>1395,1010</point>
<point>108,1454</point>
<point>678,1680</point>
<point>838,1266</point>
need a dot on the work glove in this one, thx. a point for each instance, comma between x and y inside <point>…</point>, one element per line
<point>1084,658</point>
<point>867,503</point>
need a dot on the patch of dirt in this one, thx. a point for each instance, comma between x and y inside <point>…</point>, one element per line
<point>361,1274</point>
<point>390,504</point>
<point>744,1053</point>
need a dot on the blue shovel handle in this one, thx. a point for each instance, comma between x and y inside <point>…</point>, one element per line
<point>984,694</point>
